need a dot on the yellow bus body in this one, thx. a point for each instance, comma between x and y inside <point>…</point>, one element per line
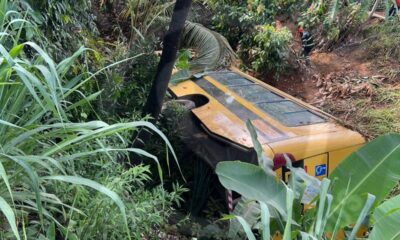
<point>321,145</point>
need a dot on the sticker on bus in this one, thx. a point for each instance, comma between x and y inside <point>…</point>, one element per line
<point>320,170</point>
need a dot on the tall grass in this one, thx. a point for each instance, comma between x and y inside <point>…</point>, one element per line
<point>38,142</point>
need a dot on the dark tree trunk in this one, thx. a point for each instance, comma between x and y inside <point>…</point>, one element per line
<point>168,58</point>
<point>164,71</point>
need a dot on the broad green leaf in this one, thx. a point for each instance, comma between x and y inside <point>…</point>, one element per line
<point>9,214</point>
<point>227,217</point>
<point>338,220</point>
<point>253,183</point>
<point>387,219</point>
<point>373,169</point>
<point>329,200</point>
<point>180,76</point>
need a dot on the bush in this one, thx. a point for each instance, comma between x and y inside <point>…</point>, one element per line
<point>385,39</point>
<point>53,165</point>
<point>248,28</point>
<point>237,20</point>
<point>147,210</point>
<point>125,86</point>
<point>270,53</point>
<point>63,24</point>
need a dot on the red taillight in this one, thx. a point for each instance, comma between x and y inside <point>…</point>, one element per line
<point>280,161</point>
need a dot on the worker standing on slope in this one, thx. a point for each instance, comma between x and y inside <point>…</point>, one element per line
<point>307,43</point>
<point>394,9</point>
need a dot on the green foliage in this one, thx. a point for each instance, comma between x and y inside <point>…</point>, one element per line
<point>334,20</point>
<point>386,218</point>
<point>145,209</point>
<point>381,119</point>
<point>248,180</point>
<point>236,22</point>
<point>126,85</point>
<point>42,152</point>
<point>147,17</point>
<point>270,52</point>
<point>212,49</point>
<point>61,178</point>
<point>384,39</point>
<point>248,28</point>
<point>362,173</point>
<point>63,24</point>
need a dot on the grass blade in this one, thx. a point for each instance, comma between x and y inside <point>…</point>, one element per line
<point>287,234</point>
<point>321,208</point>
<point>368,204</point>
<point>9,214</point>
<point>265,221</point>
<point>96,186</point>
<point>246,228</point>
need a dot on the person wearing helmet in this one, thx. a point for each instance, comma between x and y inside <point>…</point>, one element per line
<point>307,43</point>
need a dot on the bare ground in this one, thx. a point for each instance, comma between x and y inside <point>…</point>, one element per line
<point>348,83</point>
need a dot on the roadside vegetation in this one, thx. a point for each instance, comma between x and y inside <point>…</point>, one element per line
<point>74,80</point>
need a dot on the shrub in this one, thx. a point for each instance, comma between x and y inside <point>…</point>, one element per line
<point>47,160</point>
<point>125,86</point>
<point>63,24</point>
<point>270,52</point>
<point>385,39</point>
<point>248,28</point>
<point>147,209</point>
<point>236,20</point>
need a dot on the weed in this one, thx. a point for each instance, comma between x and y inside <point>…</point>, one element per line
<point>384,39</point>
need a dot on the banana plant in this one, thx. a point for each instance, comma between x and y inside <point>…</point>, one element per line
<point>356,187</point>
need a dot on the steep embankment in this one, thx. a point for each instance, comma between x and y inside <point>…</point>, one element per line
<point>351,84</point>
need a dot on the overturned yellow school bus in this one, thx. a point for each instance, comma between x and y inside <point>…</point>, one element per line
<point>222,102</point>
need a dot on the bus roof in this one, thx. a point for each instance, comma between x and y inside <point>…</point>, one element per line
<point>280,119</point>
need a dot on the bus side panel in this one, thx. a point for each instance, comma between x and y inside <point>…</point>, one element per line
<point>317,166</point>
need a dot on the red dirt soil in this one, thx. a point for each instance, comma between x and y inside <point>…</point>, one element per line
<point>303,82</point>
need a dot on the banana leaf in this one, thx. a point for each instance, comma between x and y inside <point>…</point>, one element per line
<point>374,169</point>
<point>387,219</point>
<point>253,183</point>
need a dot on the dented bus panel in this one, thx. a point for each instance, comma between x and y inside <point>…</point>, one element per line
<point>226,100</point>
